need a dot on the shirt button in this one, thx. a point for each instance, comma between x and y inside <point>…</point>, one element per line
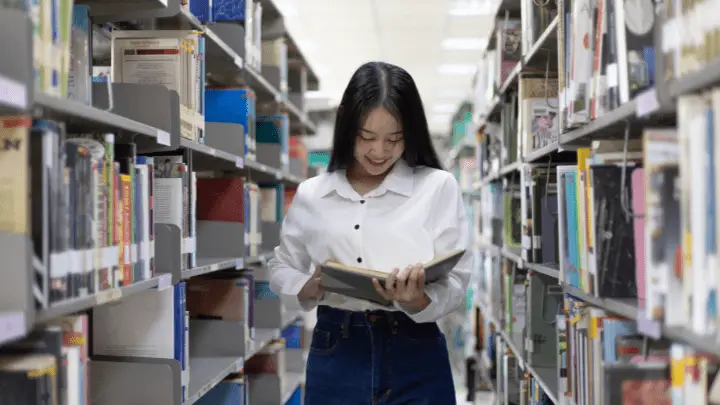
<point>357,226</point>
<point>359,259</point>
<point>362,201</point>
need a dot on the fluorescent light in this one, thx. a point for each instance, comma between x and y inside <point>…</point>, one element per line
<point>457,69</point>
<point>471,12</point>
<point>470,8</point>
<point>464,44</point>
<point>444,108</point>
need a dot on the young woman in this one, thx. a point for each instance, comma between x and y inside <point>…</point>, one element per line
<point>385,204</point>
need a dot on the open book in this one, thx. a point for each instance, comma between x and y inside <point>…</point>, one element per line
<point>356,282</point>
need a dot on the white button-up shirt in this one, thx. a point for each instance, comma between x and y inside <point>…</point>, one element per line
<point>412,217</point>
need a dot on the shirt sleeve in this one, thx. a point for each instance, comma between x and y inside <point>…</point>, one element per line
<point>451,231</point>
<point>290,266</point>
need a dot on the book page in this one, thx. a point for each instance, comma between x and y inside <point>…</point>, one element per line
<point>167,201</point>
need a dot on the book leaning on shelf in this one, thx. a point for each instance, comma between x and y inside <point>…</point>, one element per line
<point>357,282</point>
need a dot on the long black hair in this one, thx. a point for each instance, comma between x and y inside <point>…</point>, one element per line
<point>379,84</point>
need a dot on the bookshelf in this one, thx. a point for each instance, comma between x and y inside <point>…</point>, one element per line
<point>150,150</point>
<point>595,237</point>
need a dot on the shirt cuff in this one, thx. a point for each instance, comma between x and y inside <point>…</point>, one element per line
<point>427,314</point>
<point>290,296</point>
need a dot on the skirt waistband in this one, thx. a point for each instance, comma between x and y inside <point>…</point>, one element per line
<point>362,318</point>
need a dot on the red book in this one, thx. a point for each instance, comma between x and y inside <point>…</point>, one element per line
<point>126,188</point>
<point>221,199</point>
<point>289,195</point>
<point>297,148</point>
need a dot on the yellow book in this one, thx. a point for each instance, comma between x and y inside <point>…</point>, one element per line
<point>588,267</point>
<point>15,175</point>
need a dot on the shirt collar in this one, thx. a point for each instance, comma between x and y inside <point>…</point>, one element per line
<point>400,180</point>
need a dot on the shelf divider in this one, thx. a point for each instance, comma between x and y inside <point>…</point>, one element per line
<point>134,380</point>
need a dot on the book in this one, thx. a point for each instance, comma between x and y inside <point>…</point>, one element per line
<point>356,282</point>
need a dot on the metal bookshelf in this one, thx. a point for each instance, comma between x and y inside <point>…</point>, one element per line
<point>149,116</point>
<point>655,107</point>
<point>546,376</point>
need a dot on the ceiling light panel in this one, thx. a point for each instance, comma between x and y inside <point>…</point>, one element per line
<point>472,8</point>
<point>464,44</point>
<point>449,69</point>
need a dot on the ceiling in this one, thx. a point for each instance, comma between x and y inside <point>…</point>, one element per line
<point>337,36</point>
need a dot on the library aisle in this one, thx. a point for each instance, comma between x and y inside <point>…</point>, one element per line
<point>150,150</point>
<point>588,153</point>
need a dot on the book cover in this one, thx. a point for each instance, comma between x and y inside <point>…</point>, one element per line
<point>613,233</point>
<point>126,191</point>
<point>637,384</point>
<point>638,208</point>
<point>357,282</point>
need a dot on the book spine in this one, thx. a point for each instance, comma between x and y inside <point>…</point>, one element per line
<point>126,228</point>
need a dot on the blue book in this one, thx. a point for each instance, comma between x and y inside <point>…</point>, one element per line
<point>179,329</point>
<point>293,336</point>
<point>229,10</point>
<point>612,328</point>
<point>710,239</point>
<point>232,391</point>
<point>232,106</point>
<point>572,229</point>
<point>274,128</point>
<point>203,11</point>
<point>296,398</point>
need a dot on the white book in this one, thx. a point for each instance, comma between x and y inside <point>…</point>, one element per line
<point>681,314</point>
<point>148,61</point>
<point>167,57</point>
<point>698,198</point>
<point>167,201</point>
<point>255,235</point>
<point>144,243</point>
<point>193,218</point>
<point>268,198</point>
<point>74,376</point>
<point>581,62</point>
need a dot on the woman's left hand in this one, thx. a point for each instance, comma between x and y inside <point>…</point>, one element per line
<point>406,287</point>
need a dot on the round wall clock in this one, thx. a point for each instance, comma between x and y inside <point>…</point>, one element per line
<point>639,16</point>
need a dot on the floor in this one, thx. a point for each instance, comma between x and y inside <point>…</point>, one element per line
<point>481,398</point>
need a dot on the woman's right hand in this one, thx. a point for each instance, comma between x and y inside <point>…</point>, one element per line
<point>312,290</point>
